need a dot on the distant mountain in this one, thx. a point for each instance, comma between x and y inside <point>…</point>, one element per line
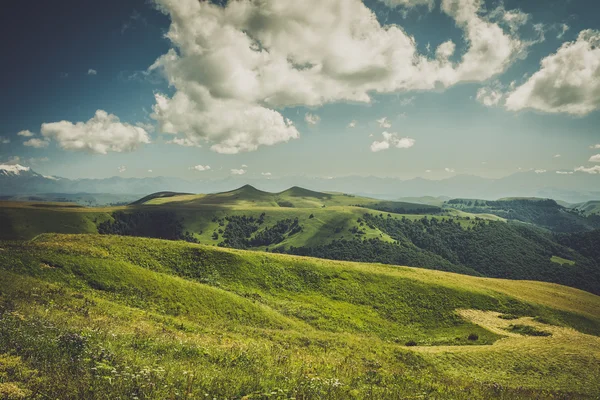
<point>578,187</point>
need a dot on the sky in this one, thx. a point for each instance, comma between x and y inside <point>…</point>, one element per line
<point>279,88</point>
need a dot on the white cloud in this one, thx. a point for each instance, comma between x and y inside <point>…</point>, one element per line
<point>122,169</point>
<point>37,143</point>
<point>428,171</point>
<point>238,171</point>
<point>384,123</point>
<point>595,146</point>
<point>4,140</point>
<point>234,66</point>
<point>540,171</point>
<point>101,134</point>
<point>352,124</point>
<point>185,142</point>
<point>146,126</point>
<point>312,119</point>
<point>592,170</point>
<point>150,171</point>
<point>26,133</point>
<point>266,174</point>
<point>233,126</point>
<point>491,95</point>
<point>567,82</point>
<point>201,168</point>
<point>407,101</point>
<point>450,170</point>
<point>564,172</point>
<point>562,29</point>
<point>409,3</point>
<point>92,72</point>
<point>392,140</point>
<point>557,156</point>
<point>595,158</point>
<point>244,166</point>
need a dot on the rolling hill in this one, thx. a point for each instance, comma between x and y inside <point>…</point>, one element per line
<point>546,213</point>
<point>89,316</point>
<point>332,226</point>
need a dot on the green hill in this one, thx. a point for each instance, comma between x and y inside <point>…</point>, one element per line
<point>588,208</point>
<point>332,226</point>
<point>93,316</point>
<point>545,213</point>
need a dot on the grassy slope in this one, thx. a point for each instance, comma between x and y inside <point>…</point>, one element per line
<point>589,208</point>
<point>152,313</point>
<point>330,211</point>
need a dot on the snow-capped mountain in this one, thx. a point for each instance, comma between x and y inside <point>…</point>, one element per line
<point>12,170</point>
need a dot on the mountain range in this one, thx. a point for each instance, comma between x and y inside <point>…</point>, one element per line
<point>573,188</point>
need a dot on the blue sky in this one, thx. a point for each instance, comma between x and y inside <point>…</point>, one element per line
<point>77,57</point>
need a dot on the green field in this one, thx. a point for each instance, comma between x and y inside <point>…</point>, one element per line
<point>89,316</point>
<point>334,214</point>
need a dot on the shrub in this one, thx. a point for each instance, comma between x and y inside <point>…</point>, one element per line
<point>411,343</point>
<point>473,336</point>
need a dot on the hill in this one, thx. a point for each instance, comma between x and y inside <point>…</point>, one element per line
<point>332,226</point>
<point>546,213</point>
<point>93,316</point>
<point>588,208</point>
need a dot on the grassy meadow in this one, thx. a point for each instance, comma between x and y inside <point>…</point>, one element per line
<point>89,316</point>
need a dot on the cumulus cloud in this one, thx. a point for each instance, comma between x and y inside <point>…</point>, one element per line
<point>266,174</point>
<point>352,124</point>
<point>26,133</point>
<point>450,170</point>
<point>37,143</point>
<point>540,171</point>
<point>92,72</point>
<point>392,140</point>
<point>564,172</point>
<point>409,3</point>
<point>146,126</point>
<point>592,170</point>
<point>557,156</point>
<point>238,171</point>
<point>312,119</point>
<point>4,140</point>
<point>185,142</point>
<point>122,169</point>
<point>101,134</point>
<point>384,123</point>
<point>233,126</point>
<point>595,146</point>
<point>567,82</point>
<point>595,158</point>
<point>234,66</point>
<point>201,168</point>
<point>489,96</point>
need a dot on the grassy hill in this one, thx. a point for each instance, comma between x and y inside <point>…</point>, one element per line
<point>329,225</point>
<point>588,208</point>
<point>545,213</point>
<point>88,316</point>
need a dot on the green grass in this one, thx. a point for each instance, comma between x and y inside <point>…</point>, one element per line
<point>89,316</point>
<point>561,261</point>
<point>527,330</point>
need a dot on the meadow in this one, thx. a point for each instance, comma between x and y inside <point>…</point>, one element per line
<point>98,316</point>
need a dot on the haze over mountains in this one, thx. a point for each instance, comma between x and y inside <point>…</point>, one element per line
<point>576,188</point>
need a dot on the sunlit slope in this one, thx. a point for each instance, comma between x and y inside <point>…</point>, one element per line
<point>24,220</point>
<point>295,197</point>
<point>246,322</point>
